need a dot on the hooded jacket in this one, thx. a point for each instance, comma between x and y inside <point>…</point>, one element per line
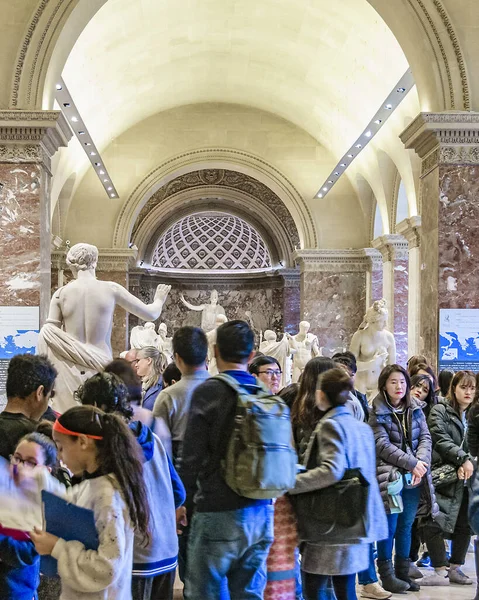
<point>393,450</point>
<point>165,494</point>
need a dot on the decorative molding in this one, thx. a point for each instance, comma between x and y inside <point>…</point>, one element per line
<point>375,259</point>
<point>109,259</point>
<point>430,162</point>
<point>411,230</point>
<point>335,260</point>
<point>32,136</point>
<point>292,277</point>
<point>392,247</point>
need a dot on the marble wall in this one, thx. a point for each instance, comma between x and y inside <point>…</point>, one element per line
<point>292,304</point>
<point>20,232</point>
<point>376,284</point>
<point>334,304</point>
<point>401,287</point>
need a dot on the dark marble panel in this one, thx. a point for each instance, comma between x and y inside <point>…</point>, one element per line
<point>401,291</point>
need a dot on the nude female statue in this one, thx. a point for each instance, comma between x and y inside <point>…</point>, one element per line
<point>374,347</point>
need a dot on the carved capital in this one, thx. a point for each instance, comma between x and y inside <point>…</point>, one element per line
<point>291,277</point>
<point>411,230</point>
<point>32,136</point>
<point>392,247</point>
<point>336,261</point>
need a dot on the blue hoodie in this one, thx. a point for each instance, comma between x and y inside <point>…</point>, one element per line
<point>19,569</point>
<point>165,494</point>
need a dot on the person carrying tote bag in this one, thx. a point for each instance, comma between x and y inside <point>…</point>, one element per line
<point>342,449</point>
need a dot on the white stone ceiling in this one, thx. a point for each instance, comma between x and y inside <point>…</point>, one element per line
<point>325,66</point>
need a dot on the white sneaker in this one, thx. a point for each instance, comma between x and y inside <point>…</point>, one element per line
<point>374,591</point>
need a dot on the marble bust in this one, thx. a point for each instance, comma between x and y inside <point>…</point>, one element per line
<point>307,347</point>
<point>209,312</point>
<point>211,337</point>
<point>77,334</point>
<point>281,351</point>
<point>144,335</point>
<point>374,347</point>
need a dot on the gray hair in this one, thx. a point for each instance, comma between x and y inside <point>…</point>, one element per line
<point>158,365</point>
<point>82,257</point>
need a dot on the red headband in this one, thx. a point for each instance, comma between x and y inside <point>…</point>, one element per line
<point>57,426</point>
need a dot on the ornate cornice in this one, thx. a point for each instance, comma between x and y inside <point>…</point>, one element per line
<point>292,277</point>
<point>411,230</point>
<point>109,259</point>
<point>334,260</point>
<point>392,247</point>
<point>32,136</point>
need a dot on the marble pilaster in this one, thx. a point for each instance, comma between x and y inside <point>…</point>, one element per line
<point>333,294</point>
<point>411,230</point>
<point>394,250</point>
<point>448,144</point>
<point>28,140</point>
<point>374,276</point>
<point>291,300</point>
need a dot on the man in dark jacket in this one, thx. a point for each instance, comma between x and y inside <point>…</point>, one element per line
<point>230,534</point>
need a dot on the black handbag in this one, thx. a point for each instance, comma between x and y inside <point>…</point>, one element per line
<point>444,475</point>
<point>337,512</point>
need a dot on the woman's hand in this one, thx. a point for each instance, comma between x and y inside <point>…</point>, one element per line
<point>466,470</point>
<point>44,542</point>
<point>419,470</point>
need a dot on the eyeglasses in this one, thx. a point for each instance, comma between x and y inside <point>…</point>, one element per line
<point>17,460</point>
<point>134,362</point>
<point>270,373</point>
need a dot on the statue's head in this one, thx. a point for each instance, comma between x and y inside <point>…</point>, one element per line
<point>220,319</point>
<point>304,326</point>
<point>376,315</point>
<point>150,325</point>
<point>82,257</point>
<point>163,329</point>
<point>214,297</point>
<point>270,335</point>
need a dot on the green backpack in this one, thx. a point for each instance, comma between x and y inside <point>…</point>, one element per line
<point>260,460</point>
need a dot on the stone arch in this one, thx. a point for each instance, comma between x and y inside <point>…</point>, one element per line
<point>61,207</point>
<point>56,25</point>
<point>253,169</point>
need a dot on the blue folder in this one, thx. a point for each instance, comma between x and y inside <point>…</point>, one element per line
<point>69,522</point>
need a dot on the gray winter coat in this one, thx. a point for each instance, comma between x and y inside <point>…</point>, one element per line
<point>392,451</point>
<point>447,432</point>
<point>343,443</point>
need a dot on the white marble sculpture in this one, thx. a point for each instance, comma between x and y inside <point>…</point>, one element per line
<point>307,347</point>
<point>209,312</point>
<point>374,347</point>
<point>281,351</point>
<point>165,343</point>
<point>144,335</point>
<point>211,337</point>
<point>77,334</point>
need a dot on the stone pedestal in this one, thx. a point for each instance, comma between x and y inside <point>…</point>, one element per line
<point>394,250</point>
<point>333,294</point>
<point>113,265</point>
<point>448,144</point>
<point>28,140</point>
<point>411,230</point>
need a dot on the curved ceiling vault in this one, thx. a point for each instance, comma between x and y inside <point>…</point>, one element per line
<point>323,66</point>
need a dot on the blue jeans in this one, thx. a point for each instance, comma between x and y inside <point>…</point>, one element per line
<point>400,527</point>
<point>317,587</point>
<point>369,575</point>
<point>231,545</point>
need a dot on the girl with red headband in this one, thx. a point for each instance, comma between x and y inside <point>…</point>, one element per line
<point>100,449</point>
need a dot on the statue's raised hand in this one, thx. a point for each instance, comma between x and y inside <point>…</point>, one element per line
<point>162,292</point>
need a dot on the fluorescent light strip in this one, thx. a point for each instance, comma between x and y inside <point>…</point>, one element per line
<point>397,95</point>
<point>68,108</point>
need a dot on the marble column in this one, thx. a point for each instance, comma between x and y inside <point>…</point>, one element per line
<point>113,265</point>
<point>374,276</point>
<point>291,299</point>
<point>448,144</point>
<point>394,250</point>
<point>333,294</point>
<point>411,230</point>
<point>28,140</point>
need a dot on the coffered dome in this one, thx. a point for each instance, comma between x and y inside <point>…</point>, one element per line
<point>211,241</point>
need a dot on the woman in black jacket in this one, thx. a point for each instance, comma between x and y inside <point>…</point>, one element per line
<point>447,423</point>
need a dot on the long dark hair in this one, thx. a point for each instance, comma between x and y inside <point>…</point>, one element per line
<point>304,412</point>
<point>456,380</point>
<point>430,399</point>
<point>384,376</point>
<point>107,392</point>
<point>414,370</point>
<point>118,453</point>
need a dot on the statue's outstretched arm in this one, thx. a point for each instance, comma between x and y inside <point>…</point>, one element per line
<point>132,304</point>
<point>190,306</point>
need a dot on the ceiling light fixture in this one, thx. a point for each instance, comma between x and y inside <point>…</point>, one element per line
<point>67,105</point>
<point>385,110</point>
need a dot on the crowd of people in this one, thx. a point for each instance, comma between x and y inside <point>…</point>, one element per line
<point>377,490</point>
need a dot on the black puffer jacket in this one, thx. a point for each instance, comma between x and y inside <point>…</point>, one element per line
<point>392,450</point>
<point>447,432</point>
